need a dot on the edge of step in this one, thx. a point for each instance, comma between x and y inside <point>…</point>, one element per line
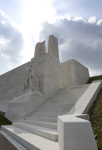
<point>50,134</point>
<point>54,120</point>
<point>29,140</point>
<point>13,141</point>
<point>40,123</point>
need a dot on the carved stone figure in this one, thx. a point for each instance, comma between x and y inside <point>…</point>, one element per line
<point>27,77</point>
<point>31,82</point>
<point>40,48</point>
<point>34,81</point>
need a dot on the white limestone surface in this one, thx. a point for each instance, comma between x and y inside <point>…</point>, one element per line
<point>49,74</point>
<point>73,73</point>
<point>49,125</point>
<point>3,105</point>
<point>40,48</point>
<point>11,82</point>
<point>53,47</point>
<point>75,134</point>
<point>86,100</point>
<point>13,141</point>
<point>41,131</point>
<point>61,102</point>
<point>21,106</point>
<point>29,140</point>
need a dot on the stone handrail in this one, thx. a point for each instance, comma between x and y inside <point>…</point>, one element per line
<point>75,132</point>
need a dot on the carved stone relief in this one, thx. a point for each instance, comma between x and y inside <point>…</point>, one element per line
<point>31,82</point>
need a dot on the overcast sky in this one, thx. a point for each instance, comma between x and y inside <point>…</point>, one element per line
<point>76,24</point>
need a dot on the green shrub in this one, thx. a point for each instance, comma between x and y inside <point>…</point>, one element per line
<point>4,121</point>
<point>95,113</point>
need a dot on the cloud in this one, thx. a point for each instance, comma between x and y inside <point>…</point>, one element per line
<point>78,39</point>
<point>92,20</point>
<point>84,8</point>
<point>99,22</point>
<point>11,40</point>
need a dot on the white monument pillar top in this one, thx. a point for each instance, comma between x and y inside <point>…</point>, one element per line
<point>53,46</point>
<point>40,48</point>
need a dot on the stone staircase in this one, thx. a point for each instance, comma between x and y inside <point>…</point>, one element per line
<point>39,130</point>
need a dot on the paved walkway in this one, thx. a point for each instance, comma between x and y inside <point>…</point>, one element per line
<point>5,144</point>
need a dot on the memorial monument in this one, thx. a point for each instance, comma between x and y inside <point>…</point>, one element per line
<point>37,94</point>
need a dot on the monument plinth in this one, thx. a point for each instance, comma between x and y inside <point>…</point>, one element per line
<point>51,75</point>
<point>48,98</point>
<point>23,105</point>
<point>28,99</point>
<point>49,72</point>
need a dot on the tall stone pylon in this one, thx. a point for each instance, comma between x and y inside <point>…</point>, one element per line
<point>40,48</point>
<point>53,47</point>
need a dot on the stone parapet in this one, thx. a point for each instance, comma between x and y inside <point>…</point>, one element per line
<point>73,73</point>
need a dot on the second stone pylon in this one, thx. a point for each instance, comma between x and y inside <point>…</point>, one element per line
<point>53,47</point>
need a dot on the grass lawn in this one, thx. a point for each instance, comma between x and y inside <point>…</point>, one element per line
<point>95,113</point>
<point>95,78</point>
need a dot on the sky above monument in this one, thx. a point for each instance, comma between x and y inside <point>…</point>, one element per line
<point>76,24</point>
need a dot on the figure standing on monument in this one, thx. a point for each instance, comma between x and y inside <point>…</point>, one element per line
<point>27,80</point>
<point>27,77</point>
<point>34,81</point>
<point>31,82</point>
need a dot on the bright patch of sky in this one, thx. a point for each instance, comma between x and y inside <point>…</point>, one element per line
<point>34,13</point>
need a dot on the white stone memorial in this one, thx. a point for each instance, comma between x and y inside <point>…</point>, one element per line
<point>40,48</point>
<point>37,94</point>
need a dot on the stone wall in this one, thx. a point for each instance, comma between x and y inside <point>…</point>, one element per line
<point>11,82</point>
<point>73,73</point>
<point>52,74</point>
<point>49,73</point>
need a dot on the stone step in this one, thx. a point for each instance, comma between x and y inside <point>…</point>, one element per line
<point>29,140</point>
<point>41,124</point>
<point>41,131</point>
<point>48,114</point>
<point>53,120</point>
<point>64,99</point>
<point>58,104</point>
<point>63,110</point>
<point>13,141</point>
<point>45,116</point>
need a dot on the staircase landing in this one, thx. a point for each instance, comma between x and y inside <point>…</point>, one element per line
<point>39,130</point>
